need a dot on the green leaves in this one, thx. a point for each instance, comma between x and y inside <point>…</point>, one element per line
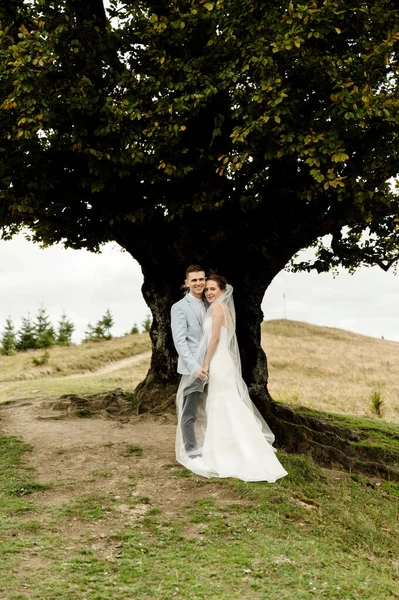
<point>205,106</point>
<point>339,157</point>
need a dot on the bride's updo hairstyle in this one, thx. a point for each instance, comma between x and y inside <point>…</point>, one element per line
<point>220,280</point>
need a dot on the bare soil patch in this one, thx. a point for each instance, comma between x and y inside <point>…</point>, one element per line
<point>83,456</point>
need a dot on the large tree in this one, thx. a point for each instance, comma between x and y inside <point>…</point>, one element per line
<point>231,133</point>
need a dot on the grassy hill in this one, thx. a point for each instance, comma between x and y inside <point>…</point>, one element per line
<point>331,369</point>
<point>74,369</point>
<point>97,508</point>
<point>319,367</point>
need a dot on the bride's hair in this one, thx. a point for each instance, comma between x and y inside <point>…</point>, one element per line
<point>220,280</point>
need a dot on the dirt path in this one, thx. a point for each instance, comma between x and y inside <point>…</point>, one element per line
<point>91,455</point>
<point>113,366</point>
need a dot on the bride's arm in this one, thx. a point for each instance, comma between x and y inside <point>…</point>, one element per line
<point>217,320</point>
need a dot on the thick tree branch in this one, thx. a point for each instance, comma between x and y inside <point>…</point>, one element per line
<point>384,264</point>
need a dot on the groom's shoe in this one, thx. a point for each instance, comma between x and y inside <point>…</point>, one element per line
<point>195,452</point>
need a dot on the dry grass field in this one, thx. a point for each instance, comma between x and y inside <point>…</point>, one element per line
<point>331,369</point>
<point>88,368</point>
<point>319,367</point>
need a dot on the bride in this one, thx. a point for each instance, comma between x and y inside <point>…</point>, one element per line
<point>233,440</point>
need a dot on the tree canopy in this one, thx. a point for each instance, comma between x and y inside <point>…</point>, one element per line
<point>282,115</point>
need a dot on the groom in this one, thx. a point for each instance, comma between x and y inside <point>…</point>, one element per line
<point>187,317</point>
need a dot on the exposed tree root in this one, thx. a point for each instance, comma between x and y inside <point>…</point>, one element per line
<point>109,405</point>
<point>156,397</point>
<point>333,444</point>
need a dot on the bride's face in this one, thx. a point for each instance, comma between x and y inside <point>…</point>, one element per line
<point>212,290</point>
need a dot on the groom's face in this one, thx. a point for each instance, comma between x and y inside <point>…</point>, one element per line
<point>196,282</point>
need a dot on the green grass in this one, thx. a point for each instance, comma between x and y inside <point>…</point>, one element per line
<point>133,450</point>
<point>104,474</point>
<point>182,472</point>
<point>315,534</point>
<point>142,500</point>
<point>89,507</point>
<point>28,487</point>
<point>380,435</point>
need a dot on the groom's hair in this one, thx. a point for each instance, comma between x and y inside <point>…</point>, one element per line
<point>193,269</point>
<point>220,280</point>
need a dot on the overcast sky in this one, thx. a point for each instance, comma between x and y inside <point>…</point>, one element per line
<point>84,285</point>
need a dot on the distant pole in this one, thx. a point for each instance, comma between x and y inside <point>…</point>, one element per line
<point>285,314</point>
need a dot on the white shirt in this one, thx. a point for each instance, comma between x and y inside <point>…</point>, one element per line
<point>200,305</point>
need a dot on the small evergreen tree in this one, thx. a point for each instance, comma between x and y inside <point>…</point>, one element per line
<point>44,331</point>
<point>65,331</point>
<point>146,324</point>
<point>101,330</point>
<point>26,339</point>
<point>105,323</point>
<point>89,334</point>
<point>8,342</point>
<point>134,329</point>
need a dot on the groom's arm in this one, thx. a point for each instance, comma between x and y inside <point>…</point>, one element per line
<point>179,334</point>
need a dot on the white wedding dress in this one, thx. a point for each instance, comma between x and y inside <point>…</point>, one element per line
<point>233,438</point>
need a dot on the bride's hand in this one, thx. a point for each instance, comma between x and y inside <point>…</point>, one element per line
<point>202,374</point>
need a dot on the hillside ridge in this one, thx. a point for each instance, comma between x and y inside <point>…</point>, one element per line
<point>319,367</point>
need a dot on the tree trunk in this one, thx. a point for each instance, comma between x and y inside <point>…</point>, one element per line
<point>164,264</point>
<point>158,389</point>
<point>162,376</point>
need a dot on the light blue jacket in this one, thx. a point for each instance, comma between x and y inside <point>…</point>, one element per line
<point>186,320</point>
